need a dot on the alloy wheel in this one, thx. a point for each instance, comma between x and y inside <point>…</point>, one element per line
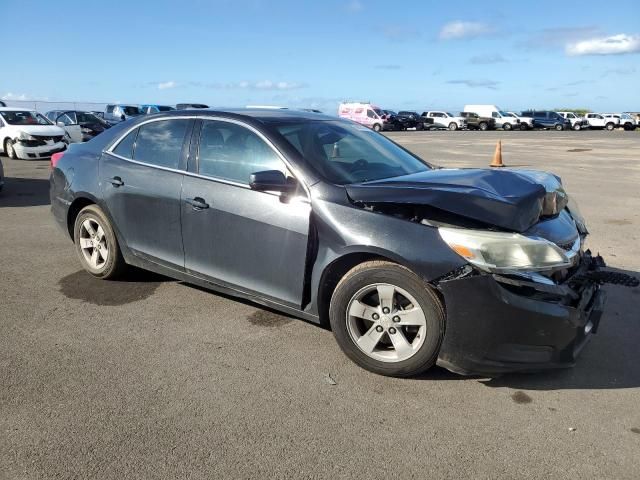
<point>93,243</point>
<point>386,322</point>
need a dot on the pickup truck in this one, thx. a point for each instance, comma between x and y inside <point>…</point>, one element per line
<point>445,120</point>
<point>525,122</point>
<point>476,122</point>
<point>577,122</point>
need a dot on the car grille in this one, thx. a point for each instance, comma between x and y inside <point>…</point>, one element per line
<point>44,139</point>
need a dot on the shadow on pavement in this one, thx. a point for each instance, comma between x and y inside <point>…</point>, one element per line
<point>24,192</point>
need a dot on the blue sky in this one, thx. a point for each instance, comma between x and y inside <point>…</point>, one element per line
<point>400,55</point>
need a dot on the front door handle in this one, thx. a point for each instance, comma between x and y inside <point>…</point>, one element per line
<point>197,203</point>
<point>116,182</point>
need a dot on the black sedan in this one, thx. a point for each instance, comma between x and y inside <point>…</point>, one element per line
<point>480,271</point>
<point>90,124</point>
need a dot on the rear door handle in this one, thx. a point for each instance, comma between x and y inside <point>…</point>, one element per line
<point>116,182</point>
<point>197,203</point>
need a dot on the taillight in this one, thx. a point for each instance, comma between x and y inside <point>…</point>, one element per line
<point>55,158</point>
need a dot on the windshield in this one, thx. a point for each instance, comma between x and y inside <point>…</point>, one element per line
<point>378,112</point>
<point>504,114</point>
<point>25,117</point>
<point>131,111</point>
<point>344,153</point>
<point>509,114</point>
<point>450,114</point>
<point>164,108</point>
<point>86,117</point>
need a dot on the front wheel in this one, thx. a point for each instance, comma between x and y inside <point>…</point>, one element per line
<point>453,126</point>
<point>96,244</point>
<point>577,127</point>
<point>377,127</point>
<point>483,126</point>
<point>609,126</point>
<point>507,126</point>
<point>387,320</point>
<point>559,127</point>
<point>9,151</point>
<point>524,126</point>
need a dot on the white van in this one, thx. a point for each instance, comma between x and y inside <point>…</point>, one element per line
<point>364,113</point>
<point>503,120</point>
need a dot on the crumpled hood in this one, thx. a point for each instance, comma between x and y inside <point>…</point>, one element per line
<point>510,199</point>
<point>42,130</point>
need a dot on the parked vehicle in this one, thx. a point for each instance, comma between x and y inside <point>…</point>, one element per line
<point>148,109</point>
<point>2,104</point>
<point>1,176</point>
<point>503,120</point>
<point>599,121</point>
<point>577,122</point>
<point>87,123</point>
<point>476,122</point>
<point>65,122</point>
<point>525,122</point>
<point>390,121</point>
<point>323,219</point>
<point>26,134</point>
<point>363,113</point>
<point>120,113</point>
<point>446,120</point>
<point>612,117</point>
<point>546,119</point>
<point>411,119</point>
<point>190,106</point>
<point>628,121</point>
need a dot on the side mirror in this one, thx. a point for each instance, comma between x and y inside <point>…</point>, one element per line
<point>123,118</point>
<point>271,181</point>
<point>60,124</point>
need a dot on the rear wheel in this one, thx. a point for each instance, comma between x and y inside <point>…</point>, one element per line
<point>420,126</point>
<point>483,126</point>
<point>386,319</point>
<point>523,126</point>
<point>577,127</point>
<point>609,126</point>
<point>559,127</point>
<point>453,126</point>
<point>96,244</point>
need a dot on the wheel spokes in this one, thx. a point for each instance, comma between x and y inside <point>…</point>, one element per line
<point>413,316</point>
<point>361,310</point>
<point>400,343</point>
<point>386,294</point>
<point>88,227</point>
<point>369,340</point>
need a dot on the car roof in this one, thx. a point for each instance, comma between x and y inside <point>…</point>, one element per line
<point>264,115</point>
<point>15,109</point>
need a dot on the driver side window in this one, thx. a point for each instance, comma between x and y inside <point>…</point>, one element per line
<point>232,152</point>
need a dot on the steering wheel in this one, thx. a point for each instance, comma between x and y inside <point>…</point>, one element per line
<point>358,165</point>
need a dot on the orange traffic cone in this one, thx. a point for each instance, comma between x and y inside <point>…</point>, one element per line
<point>497,156</point>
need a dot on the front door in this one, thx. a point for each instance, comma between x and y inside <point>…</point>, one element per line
<point>252,241</point>
<point>141,180</point>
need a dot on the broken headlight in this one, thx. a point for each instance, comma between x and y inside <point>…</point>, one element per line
<point>503,252</point>
<point>25,136</point>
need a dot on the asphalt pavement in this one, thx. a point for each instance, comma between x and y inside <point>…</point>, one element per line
<point>153,378</point>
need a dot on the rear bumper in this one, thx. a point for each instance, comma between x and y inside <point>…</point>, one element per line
<point>497,325</point>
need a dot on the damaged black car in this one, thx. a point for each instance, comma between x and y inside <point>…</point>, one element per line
<point>479,271</point>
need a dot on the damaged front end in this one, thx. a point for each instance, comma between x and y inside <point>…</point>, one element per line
<point>529,297</point>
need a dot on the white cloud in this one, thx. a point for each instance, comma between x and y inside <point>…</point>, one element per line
<point>355,6</point>
<point>492,84</point>
<point>166,85</point>
<point>487,59</point>
<point>613,45</point>
<point>15,96</point>
<point>460,29</point>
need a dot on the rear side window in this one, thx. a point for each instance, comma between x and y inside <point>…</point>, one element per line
<point>110,108</point>
<point>125,147</point>
<point>232,152</point>
<point>160,143</point>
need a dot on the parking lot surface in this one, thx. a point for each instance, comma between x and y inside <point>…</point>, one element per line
<point>153,378</point>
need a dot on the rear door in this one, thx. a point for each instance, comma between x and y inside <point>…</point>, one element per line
<point>141,179</point>
<point>244,239</point>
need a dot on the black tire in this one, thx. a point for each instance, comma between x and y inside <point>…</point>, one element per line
<point>376,127</point>
<point>609,126</point>
<point>507,126</point>
<point>559,127</point>
<point>374,272</point>
<point>483,126</point>
<point>419,126</point>
<point>8,149</point>
<point>114,265</point>
<point>524,126</point>
<point>453,126</point>
<point>577,127</point>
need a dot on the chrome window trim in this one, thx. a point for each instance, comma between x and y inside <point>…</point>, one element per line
<point>296,174</point>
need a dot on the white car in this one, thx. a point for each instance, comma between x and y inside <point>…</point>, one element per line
<point>601,120</point>
<point>447,120</point>
<point>504,121</point>
<point>26,134</point>
<point>526,123</point>
<point>627,121</point>
<point>577,122</point>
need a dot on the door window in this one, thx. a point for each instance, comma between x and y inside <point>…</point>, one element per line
<point>125,147</point>
<point>233,152</point>
<point>371,114</point>
<point>160,143</point>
